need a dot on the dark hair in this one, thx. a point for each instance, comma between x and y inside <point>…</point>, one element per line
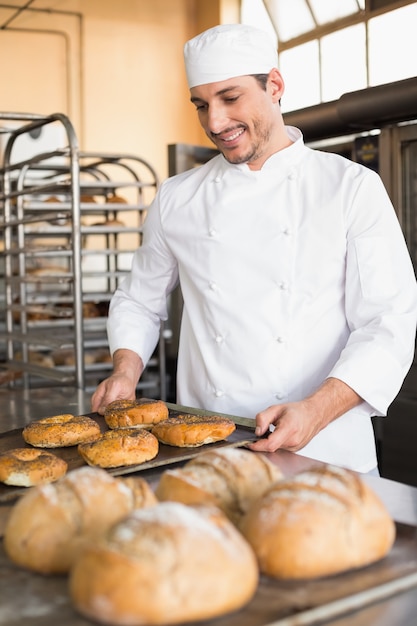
<point>262,79</point>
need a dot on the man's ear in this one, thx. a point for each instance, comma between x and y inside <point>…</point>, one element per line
<point>276,84</point>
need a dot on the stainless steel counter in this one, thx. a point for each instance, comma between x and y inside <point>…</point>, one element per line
<point>18,407</point>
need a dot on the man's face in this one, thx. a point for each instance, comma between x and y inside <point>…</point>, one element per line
<point>240,118</point>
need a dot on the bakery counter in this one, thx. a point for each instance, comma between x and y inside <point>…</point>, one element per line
<point>380,595</point>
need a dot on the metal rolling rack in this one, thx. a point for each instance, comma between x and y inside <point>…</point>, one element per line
<point>71,222</point>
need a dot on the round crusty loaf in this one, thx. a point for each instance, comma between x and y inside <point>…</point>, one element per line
<point>191,431</point>
<point>50,524</point>
<point>26,467</point>
<point>319,522</point>
<point>124,446</point>
<point>166,565</point>
<point>230,478</point>
<point>140,413</point>
<point>60,431</point>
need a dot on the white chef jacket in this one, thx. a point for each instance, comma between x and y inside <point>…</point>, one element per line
<point>289,275</point>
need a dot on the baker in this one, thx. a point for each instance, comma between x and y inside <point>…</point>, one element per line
<point>300,299</point>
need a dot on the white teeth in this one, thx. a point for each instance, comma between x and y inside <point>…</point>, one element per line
<point>235,136</point>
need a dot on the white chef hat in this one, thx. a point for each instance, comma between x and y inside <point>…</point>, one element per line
<point>227,51</point>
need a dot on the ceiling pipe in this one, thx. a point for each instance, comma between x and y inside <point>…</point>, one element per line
<point>358,111</point>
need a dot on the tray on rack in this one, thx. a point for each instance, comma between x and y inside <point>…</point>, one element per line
<point>167,455</point>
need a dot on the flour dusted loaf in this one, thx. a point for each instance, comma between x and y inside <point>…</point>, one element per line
<point>26,467</point>
<point>60,431</point>
<point>51,523</point>
<point>140,413</point>
<point>230,478</point>
<point>319,522</point>
<point>191,431</point>
<point>120,447</point>
<point>165,565</point>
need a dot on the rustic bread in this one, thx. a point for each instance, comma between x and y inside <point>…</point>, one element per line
<point>116,448</point>
<point>140,413</point>
<point>190,431</point>
<point>26,467</point>
<point>165,565</point>
<point>230,478</point>
<point>319,522</point>
<point>50,524</point>
<point>61,431</point>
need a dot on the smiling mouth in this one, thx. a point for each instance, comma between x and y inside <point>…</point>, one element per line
<point>225,139</point>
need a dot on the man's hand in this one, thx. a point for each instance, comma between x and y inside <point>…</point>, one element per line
<point>121,385</point>
<point>296,423</point>
<point>294,427</point>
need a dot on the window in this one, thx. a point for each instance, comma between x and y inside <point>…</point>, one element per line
<point>392,46</point>
<point>343,62</point>
<point>329,47</point>
<point>301,89</point>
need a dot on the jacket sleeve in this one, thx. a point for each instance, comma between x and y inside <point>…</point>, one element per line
<point>381,299</point>
<point>140,302</point>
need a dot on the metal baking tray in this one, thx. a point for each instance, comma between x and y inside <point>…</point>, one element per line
<point>167,455</point>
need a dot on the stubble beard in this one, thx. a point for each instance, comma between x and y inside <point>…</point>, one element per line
<point>255,151</point>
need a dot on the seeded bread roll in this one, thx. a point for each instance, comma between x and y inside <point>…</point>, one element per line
<point>190,431</point>
<point>166,565</point>
<point>116,448</point>
<point>230,478</point>
<point>50,524</point>
<point>60,431</point>
<point>319,522</point>
<point>26,467</point>
<point>140,413</point>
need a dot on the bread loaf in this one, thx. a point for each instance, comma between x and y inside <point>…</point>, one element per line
<point>230,478</point>
<point>50,524</point>
<point>191,431</point>
<point>26,467</point>
<point>319,522</point>
<point>135,413</point>
<point>165,565</point>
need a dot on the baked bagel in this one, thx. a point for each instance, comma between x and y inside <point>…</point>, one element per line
<point>190,431</point>
<point>124,446</point>
<point>26,467</point>
<point>140,413</point>
<point>60,431</point>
